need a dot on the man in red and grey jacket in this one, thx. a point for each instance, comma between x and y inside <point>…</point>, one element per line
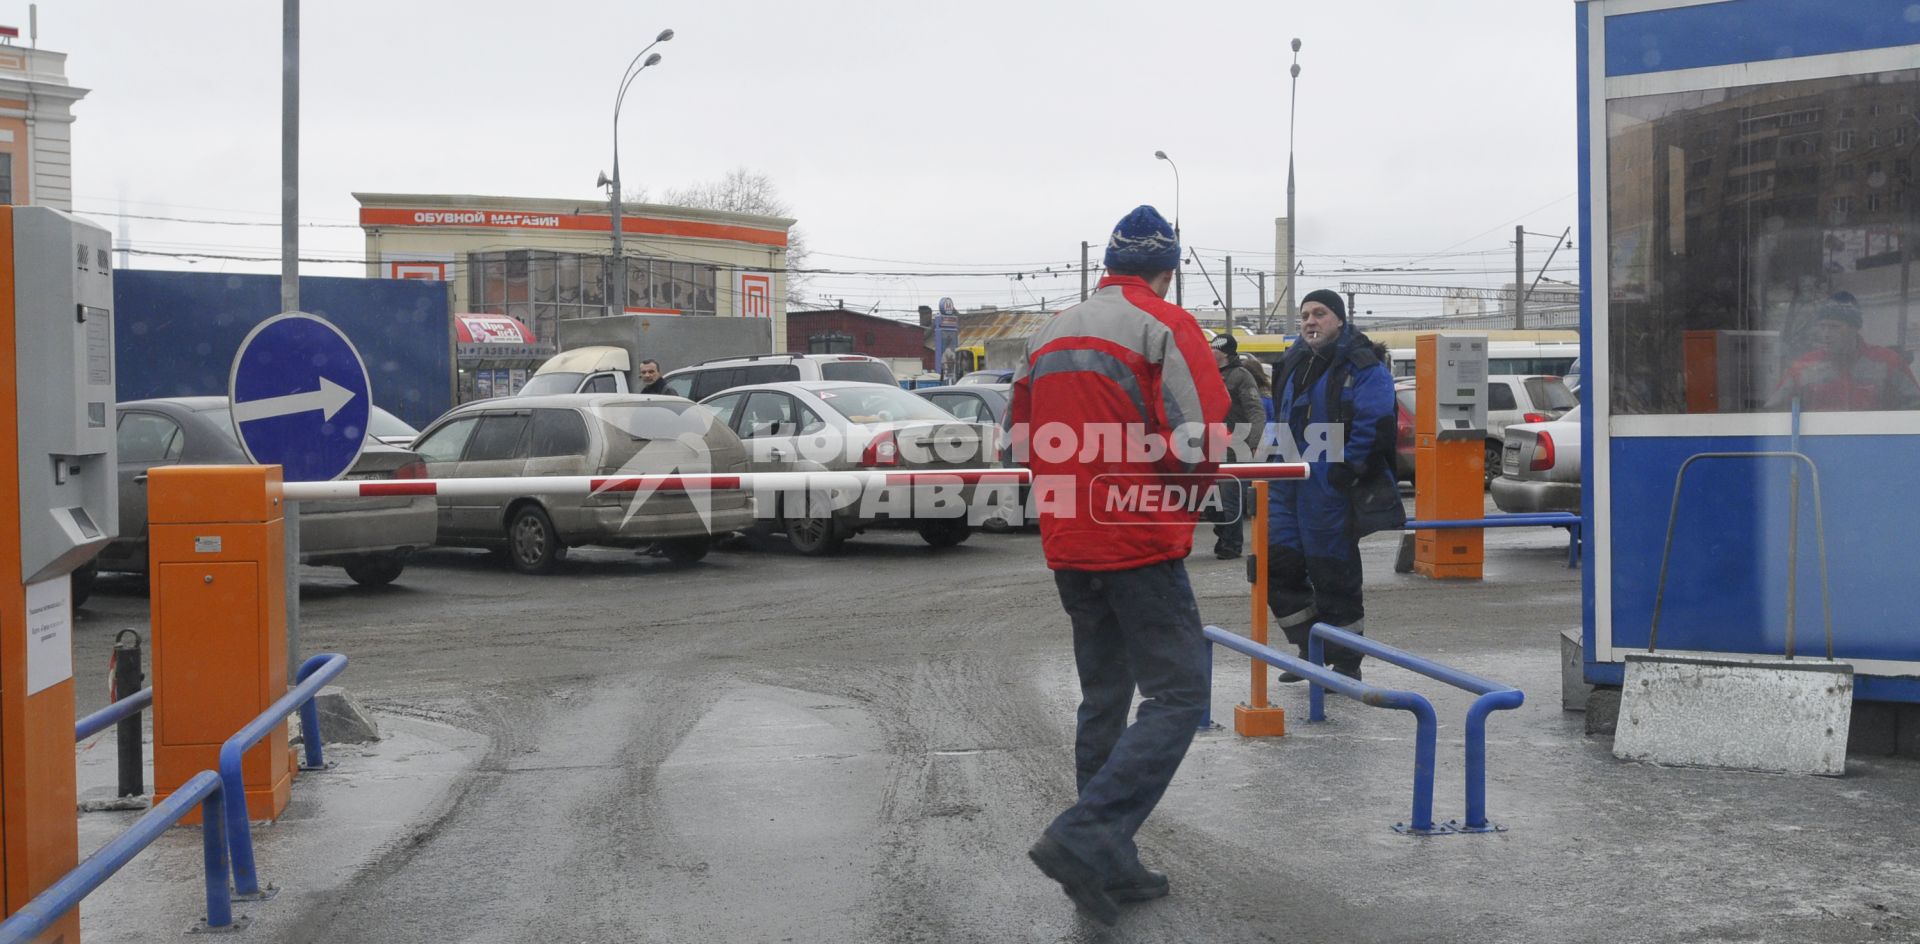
<point>1118,410</point>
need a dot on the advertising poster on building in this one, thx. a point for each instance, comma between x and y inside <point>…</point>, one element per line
<point>518,379</point>
<point>483,384</point>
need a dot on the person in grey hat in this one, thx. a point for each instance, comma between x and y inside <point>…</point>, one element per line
<point>1247,419</point>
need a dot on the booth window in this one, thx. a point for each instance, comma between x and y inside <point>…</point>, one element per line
<point>1761,247</point>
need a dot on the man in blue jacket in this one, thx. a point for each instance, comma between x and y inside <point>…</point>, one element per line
<point>1333,392</point>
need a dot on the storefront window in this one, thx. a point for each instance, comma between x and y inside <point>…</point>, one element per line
<point>1762,247</point>
<point>543,287</point>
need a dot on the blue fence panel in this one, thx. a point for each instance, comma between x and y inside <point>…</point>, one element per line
<point>175,333</point>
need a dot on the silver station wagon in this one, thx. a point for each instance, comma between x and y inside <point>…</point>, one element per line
<point>531,437</point>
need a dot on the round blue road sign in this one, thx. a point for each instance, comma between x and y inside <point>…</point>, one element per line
<point>300,397</point>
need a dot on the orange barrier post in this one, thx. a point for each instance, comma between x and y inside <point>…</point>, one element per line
<point>1254,717</point>
<point>1449,474</point>
<point>217,575</point>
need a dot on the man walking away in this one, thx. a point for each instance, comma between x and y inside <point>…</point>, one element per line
<point>1123,363</point>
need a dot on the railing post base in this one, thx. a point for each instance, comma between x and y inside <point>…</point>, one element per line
<point>266,893</point>
<point>1454,825</point>
<point>1259,722</point>
<point>1437,829</point>
<point>239,923</point>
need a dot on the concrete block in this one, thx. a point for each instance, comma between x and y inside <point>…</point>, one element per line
<point>1603,710</point>
<point>1874,730</point>
<point>1744,714</point>
<point>342,720</point>
<point>1573,682</point>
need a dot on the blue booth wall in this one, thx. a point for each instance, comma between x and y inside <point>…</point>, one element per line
<point>1727,581</point>
<point>175,333</point>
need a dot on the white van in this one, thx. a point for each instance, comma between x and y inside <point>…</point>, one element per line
<point>706,379</point>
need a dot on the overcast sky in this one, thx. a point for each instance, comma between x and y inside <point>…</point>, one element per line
<point>987,135</point>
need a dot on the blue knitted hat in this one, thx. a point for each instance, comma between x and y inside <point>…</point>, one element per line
<point>1143,242</point>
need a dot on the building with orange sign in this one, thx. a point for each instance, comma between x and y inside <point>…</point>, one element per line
<point>542,261</point>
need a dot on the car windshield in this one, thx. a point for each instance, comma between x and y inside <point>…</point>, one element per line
<point>559,381</point>
<point>656,419</point>
<point>873,404</point>
<point>388,426</point>
<point>1549,393</point>
<point>862,371</point>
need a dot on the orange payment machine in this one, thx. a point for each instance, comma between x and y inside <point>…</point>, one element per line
<point>58,507</point>
<point>1449,454</point>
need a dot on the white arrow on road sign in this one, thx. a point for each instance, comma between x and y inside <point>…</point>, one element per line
<point>328,399</point>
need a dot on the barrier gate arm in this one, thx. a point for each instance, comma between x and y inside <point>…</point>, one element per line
<point>710,482</point>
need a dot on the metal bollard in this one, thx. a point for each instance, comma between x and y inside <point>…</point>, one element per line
<point>128,680</point>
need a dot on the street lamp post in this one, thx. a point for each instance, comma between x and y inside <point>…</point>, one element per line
<point>1292,222</point>
<point>1179,271</point>
<point>617,298</point>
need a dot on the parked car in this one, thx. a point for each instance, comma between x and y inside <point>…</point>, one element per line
<point>984,403</point>
<point>390,429</point>
<point>1003,375</point>
<point>583,434</point>
<point>1403,425</point>
<point>706,379</point>
<point>1511,399</point>
<point>976,403</point>
<point>1541,466</point>
<point>830,426</point>
<point>370,537</point>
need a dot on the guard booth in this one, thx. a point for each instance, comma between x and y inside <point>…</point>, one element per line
<point>1748,201</point>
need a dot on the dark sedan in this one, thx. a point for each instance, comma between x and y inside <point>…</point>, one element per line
<point>371,538</point>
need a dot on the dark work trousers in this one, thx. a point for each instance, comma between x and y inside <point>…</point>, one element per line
<point>1228,534</point>
<point>1131,628</point>
<point>1313,563</point>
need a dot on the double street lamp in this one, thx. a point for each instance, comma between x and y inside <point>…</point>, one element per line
<point>617,298</point>
<point>1179,272</point>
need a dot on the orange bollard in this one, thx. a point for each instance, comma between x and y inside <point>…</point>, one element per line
<point>217,572</point>
<point>1254,717</point>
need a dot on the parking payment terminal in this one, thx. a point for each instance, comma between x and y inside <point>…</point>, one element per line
<point>1449,456</point>
<point>58,507</point>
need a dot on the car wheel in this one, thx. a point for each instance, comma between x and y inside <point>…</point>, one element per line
<point>1494,451</point>
<point>945,532</point>
<point>82,582</point>
<point>533,546</point>
<point>685,550</point>
<point>376,570</point>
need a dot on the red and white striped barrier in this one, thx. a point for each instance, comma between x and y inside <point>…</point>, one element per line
<point>747,481</point>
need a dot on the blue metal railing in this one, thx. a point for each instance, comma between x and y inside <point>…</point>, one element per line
<point>113,714</point>
<point>1532,519</point>
<point>1493,697</point>
<point>317,671</point>
<point>203,788</point>
<point>1426,724</point>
